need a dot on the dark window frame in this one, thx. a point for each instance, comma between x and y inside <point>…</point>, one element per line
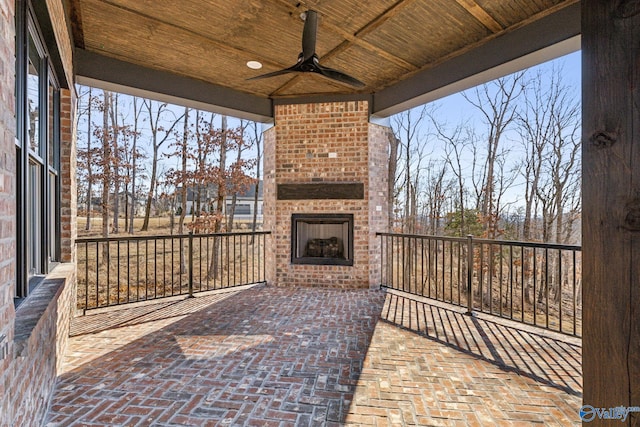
<point>45,163</point>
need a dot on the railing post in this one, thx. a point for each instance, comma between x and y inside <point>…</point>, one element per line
<point>382,269</point>
<point>190,264</point>
<point>469,275</point>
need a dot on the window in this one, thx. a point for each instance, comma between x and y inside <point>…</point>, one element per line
<point>241,209</point>
<point>37,154</point>
<point>54,176</point>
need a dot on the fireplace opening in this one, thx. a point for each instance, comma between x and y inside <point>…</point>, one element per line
<point>322,239</point>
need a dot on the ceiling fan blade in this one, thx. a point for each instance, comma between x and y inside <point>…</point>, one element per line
<point>273,74</point>
<point>309,34</point>
<point>308,60</point>
<point>339,76</point>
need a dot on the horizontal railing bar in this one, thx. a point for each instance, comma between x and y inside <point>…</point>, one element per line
<point>424,236</point>
<point>486,241</point>
<point>164,237</point>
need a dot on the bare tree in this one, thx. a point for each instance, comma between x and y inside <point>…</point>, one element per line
<point>394,144</point>
<point>106,162</point>
<point>182,180</point>
<point>534,128</point>
<point>205,146</point>
<point>240,146</point>
<point>497,101</point>
<point>437,188</point>
<point>407,126</point>
<point>455,145</point>
<point>222,182</point>
<point>257,140</point>
<point>88,157</point>
<point>159,135</point>
<point>505,175</point>
<point>115,160</point>
<point>549,127</point>
<point>134,161</point>
<point>184,184</point>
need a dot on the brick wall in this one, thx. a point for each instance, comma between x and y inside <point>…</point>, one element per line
<point>36,333</point>
<point>62,36</point>
<point>68,166</point>
<point>7,197</point>
<point>325,142</point>
<point>41,337</point>
<point>378,196</point>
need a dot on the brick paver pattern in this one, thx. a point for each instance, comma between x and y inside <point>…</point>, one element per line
<point>269,356</point>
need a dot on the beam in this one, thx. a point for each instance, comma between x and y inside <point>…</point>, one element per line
<point>370,47</point>
<point>506,53</point>
<point>611,206</point>
<point>481,15</point>
<point>111,74</point>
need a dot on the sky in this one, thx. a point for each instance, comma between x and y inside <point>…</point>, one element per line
<point>454,107</point>
<point>454,110</point>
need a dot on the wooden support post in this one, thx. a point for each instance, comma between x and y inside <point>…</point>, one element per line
<point>611,205</point>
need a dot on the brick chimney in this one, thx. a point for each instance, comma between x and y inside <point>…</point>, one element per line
<point>325,159</point>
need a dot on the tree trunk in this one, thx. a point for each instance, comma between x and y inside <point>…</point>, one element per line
<point>152,188</point>
<point>257,186</point>
<point>183,187</point>
<point>391,180</point>
<point>106,174</point>
<point>90,178</point>
<point>153,123</point>
<point>134,158</point>
<point>234,197</point>
<point>222,184</point>
<point>113,113</point>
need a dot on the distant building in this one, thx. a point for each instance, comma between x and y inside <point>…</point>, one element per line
<point>124,200</point>
<point>244,201</point>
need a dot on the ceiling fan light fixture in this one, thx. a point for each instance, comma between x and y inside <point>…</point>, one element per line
<point>308,61</point>
<point>254,65</point>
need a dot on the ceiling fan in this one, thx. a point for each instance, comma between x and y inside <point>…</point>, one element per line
<point>308,60</point>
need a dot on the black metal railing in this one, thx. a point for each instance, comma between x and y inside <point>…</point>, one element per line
<point>121,270</point>
<point>533,283</point>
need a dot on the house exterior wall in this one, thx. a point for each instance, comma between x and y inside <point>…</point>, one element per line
<point>7,200</point>
<point>34,336</point>
<point>325,143</point>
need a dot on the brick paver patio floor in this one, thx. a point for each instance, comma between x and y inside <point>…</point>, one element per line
<point>269,356</point>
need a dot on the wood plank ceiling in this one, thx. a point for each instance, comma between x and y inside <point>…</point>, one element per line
<point>380,42</point>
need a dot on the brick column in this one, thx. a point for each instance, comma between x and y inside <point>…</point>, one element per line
<point>269,202</point>
<point>68,166</point>
<point>326,143</point>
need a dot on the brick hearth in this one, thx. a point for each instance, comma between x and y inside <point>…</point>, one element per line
<point>326,143</point>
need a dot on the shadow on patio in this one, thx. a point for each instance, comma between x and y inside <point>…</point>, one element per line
<point>280,356</point>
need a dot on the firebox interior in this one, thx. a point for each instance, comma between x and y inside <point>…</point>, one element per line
<point>322,239</point>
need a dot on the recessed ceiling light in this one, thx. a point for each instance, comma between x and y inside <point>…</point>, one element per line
<point>254,65</point>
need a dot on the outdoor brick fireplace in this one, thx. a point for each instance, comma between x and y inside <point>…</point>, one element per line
<point>322,239</point>
<point>325,195</point>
